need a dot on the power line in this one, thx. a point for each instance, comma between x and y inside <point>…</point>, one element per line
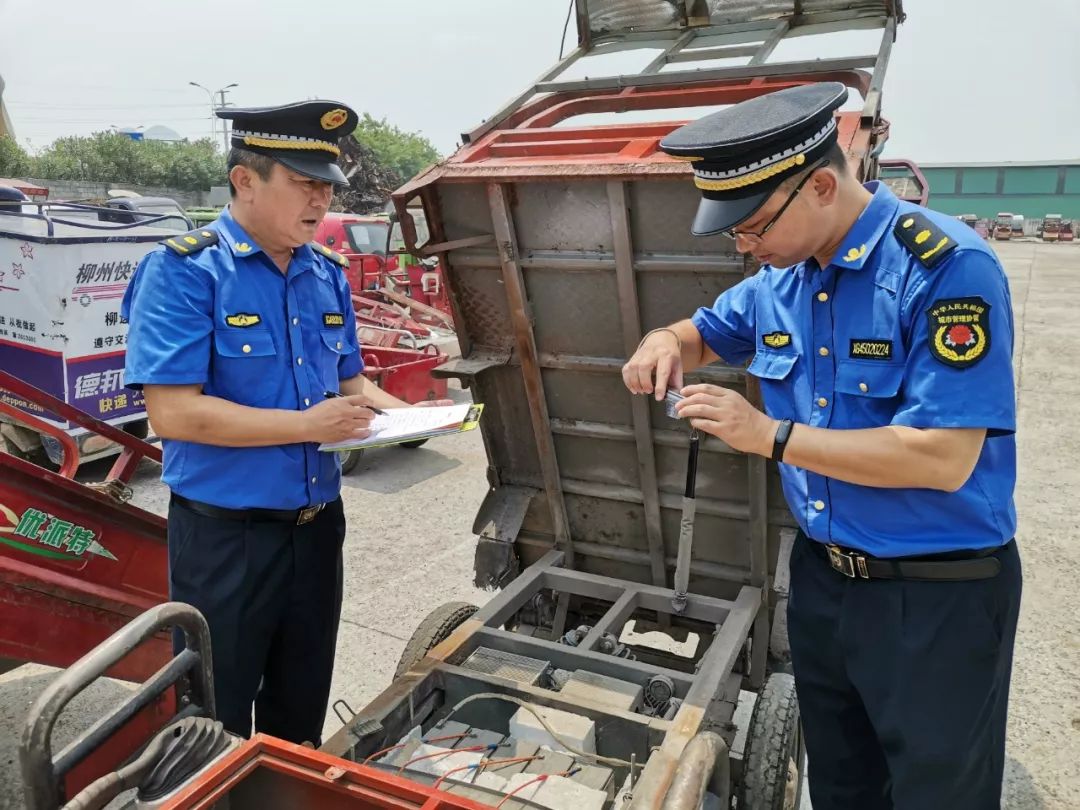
<point>54,105</point>
<point>111,87</point>
<point>46,120</point>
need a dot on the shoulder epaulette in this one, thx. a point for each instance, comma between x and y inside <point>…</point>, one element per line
<point>190,242</point>
<point>929,244</point>
<point>333,256</point>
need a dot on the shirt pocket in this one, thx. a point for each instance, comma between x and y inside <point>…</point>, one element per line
<point>245,363</point>
<point>774,369</point>
<point>870,391</point>
<point>335,347</point>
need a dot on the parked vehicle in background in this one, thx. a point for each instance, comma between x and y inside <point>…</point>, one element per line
<point>202,215</point>
<point>130,210</point>
<point>1003,226</point>
<point>976,224</point>
<point>361,240</point>
<point>1050,228</point>
<point>905,179</point>
<point>33,192</point>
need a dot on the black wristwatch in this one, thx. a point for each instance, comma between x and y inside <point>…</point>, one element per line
<point>780,442</point>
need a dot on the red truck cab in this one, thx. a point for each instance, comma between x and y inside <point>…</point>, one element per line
<point>361,240</point>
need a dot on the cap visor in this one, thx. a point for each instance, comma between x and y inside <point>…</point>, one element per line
<point>313,168</point>
<point>714,216</point>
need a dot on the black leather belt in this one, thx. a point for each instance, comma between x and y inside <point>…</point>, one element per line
<point>950,566</point>
<point>297,516</point>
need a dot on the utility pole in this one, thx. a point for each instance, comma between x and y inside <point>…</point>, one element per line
<point>213,111</point>
<point>224,122</point>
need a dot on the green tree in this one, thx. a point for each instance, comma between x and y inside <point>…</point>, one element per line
<point>404,153</point>
<point>108,157</point>
<point>14,162</point>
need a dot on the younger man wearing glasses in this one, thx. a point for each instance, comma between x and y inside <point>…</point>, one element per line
<point>882,335</point>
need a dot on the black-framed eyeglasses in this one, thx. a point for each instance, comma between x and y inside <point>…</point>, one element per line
<point>732,233</point>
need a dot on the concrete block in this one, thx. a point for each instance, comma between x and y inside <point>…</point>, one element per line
<point>443,761</point>
<point>550,762</point>
<point>512,750</point>
<point>600,690</point>
<point>477,736</point>
<point>576,730</point>
<point>556,793</point>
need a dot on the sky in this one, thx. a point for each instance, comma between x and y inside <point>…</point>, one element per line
<point>969,80</point>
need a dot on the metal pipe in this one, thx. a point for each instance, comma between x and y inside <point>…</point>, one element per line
<point>525,339</point>
<point>708,570</point>
<point>686,527</point>
<point>704,765</point>
<point>630,315</point>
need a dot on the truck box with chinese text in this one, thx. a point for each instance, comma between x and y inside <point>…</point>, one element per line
<point>63,272</point>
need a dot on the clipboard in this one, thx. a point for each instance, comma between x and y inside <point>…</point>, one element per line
<point>391,428</point>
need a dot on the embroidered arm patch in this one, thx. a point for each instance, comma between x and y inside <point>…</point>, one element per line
<point>776,340</point>
<point>959,330</point>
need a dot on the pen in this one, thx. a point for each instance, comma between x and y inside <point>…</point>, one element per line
<point>372,408</point>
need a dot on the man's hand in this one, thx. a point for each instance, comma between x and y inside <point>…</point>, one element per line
<point>337,419</point>
<point>727,415</point>
<point>660,353</point>
<point>434,403</point>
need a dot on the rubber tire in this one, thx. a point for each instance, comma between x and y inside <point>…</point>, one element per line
<point>140,428</point>
<point>415,444</point>
<point>774,741</point>
<point>434,629</point>
<point>350,459</point>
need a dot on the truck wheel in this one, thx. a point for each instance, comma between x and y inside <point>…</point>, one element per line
<point>415,444</point>
<point>775,749</point>
<point>140,428</point>
<point>437,627</point>
<point>349,460</point>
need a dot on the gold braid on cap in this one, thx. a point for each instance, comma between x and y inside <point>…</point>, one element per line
<point>267,143</point>
<point>752,177</point>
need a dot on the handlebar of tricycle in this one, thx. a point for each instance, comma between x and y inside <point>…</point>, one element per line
<point>43,774</point>
<point>134,447</point>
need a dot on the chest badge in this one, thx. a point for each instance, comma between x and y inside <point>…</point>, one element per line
<point>866,349</point>
<point>333,319</point>
<point>776,340</point>
<point>242,320</point>
<point>959,330</point>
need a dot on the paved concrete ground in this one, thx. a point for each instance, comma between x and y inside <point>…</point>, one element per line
<point>410,549</point>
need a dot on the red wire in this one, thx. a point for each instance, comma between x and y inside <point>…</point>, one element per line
<point>481,765</point>
<point>377,754</point>
<point>470,749</point>
<point>540,778</point>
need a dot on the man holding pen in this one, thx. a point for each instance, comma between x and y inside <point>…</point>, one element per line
<point>243,336</point>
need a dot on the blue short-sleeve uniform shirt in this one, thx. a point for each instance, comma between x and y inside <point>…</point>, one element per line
<point>225,317</point>
<point>878,338</point>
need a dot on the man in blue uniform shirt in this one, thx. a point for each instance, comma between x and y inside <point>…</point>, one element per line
<point>882,337</point>
<point>238,332</point>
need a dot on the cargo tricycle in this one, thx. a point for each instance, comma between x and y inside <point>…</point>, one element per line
<point>63,271</point>
<point>635,655</point>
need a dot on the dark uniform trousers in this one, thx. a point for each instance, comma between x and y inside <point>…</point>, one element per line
<point>271,594</point>
<point>903,685</point>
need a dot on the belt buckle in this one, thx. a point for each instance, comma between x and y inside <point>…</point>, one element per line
<point>307,514</point>
<point>852,566</point>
